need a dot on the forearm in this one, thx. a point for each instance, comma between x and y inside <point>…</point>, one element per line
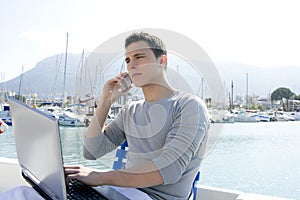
<point>110,93</point>
<point>138,177</point>
<point>130,179</point>
<point>98,122</point>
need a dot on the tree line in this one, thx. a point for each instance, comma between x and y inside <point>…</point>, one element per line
<point>283,92</point>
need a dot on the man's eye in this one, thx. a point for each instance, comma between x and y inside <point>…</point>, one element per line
<point>138,57</point>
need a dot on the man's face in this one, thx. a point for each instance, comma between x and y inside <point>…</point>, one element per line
<point>143,67</point>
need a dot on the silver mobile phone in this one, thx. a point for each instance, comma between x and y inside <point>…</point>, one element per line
<point>125,82</point>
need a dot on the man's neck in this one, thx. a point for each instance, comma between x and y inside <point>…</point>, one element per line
<point>154,92</point>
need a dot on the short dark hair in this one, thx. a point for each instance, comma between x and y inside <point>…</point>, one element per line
<point>156,44</point>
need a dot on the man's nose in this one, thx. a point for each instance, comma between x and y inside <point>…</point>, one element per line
<point>131,65</point>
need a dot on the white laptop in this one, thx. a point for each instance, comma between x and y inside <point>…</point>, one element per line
<point>39,153</point>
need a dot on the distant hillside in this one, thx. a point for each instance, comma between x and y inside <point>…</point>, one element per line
<point>261,81</point>
<point>46,78</point>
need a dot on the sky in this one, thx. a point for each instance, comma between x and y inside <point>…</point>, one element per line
<point>263,33</point>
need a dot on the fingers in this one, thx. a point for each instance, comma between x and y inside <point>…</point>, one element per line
<point>82,174</point>
<point>112,88</point>
<point>116,83</point>
<point>72,176</point>
<point>71,169</point>
<point>122,74</point>
<point>119,77</point>
<point>72,172</point>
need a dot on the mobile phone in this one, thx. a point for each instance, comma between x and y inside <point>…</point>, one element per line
<point>125,82</point>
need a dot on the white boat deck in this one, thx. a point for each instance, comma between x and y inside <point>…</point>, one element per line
<point>11,176</point>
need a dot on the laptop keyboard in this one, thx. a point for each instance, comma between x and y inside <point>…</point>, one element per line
<point>77,190</point>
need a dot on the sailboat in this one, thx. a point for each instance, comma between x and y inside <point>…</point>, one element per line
<point>4,106</point>
<point>242,114</point>
<point>68,116</point>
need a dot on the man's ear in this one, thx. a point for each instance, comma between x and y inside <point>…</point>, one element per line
<point>163,60</point>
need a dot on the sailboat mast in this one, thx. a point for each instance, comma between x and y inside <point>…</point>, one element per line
<point>20,83</point>
<point>65,71</point>
<point>202,90</point>
<point>247,97</point>
<point>231,96</point>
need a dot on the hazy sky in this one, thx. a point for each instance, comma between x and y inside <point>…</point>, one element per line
<point>256,32</point>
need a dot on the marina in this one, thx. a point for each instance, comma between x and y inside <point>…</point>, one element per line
<point>260,158</point>
<point>240,57</point>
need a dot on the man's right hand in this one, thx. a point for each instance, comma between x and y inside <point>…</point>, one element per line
<point>112,89</point>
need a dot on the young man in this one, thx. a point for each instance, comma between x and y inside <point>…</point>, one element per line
<point>165,132</point>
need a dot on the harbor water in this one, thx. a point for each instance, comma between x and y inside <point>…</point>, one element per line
<point>261,158</point>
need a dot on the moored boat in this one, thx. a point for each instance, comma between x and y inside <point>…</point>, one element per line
<point>66,120</point>
<point>266,117</point>
<point>283,116</point>
<point>5,114</point>
<point>3,126</point>
<point>221,116</point>
<point>243,116</point>
<point>294,115</point>
<point>7,120</point>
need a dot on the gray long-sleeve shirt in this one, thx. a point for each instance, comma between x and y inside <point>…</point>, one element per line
<point>170,132</point>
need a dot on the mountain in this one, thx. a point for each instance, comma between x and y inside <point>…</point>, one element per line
<point>46,78</point>
<point>261,81</point>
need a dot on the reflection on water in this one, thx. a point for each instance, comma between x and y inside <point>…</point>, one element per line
<point>258,158</point>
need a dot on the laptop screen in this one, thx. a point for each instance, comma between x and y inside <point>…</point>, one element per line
<point>38,148</point>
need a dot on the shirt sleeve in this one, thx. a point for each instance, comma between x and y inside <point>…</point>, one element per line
<point>190,125</point>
